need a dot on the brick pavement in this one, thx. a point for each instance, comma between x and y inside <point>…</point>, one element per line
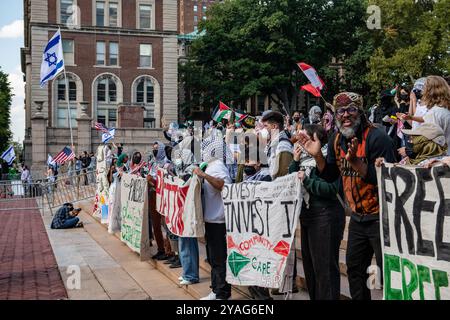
<point>28,268</point>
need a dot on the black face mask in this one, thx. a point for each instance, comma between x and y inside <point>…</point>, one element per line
<point>137,159</point>
<point>296,119</point>
<point>249,170</point>
<point>155,153</point>
<point>404,97</point>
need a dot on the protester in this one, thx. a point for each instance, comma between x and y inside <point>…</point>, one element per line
<point>315,115</point>
<point>85,160</point>
<point>427,143</point>
<point>351,154</point>
<point>26,180</point>
<point>66,218</point>
<point>322,226</point>
<point>214,178</point>
<point>416,107</point>
<point>279,149</point>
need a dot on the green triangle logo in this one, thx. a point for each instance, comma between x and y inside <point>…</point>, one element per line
<point>237,262</point>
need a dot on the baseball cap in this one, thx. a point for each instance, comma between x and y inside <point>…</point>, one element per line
<point>430,131</point>
<point>419,85</point>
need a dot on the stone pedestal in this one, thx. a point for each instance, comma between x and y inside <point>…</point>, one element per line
<point>84,130</point>
<point>130,117</point>
<point>39,139</point>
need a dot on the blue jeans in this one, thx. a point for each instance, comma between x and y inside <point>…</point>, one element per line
<point>70,223</point>
<point>189,258</point>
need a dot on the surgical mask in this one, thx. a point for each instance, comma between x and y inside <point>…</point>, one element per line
<point>265,134</point>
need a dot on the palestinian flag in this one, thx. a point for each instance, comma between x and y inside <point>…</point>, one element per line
<point>225,112</point>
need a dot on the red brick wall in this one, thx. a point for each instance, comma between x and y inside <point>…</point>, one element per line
<point>130,117</point>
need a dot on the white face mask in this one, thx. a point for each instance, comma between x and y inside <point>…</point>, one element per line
<point>264,134</point>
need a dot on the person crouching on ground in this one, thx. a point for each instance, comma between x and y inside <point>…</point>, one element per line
<point>66,218</point>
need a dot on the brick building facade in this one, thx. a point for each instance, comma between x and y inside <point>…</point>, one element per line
<point>119,54</point>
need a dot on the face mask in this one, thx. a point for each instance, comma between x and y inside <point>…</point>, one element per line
<point>404,97</point>
<point>296,119</point>
<point>136,159</point>
<point>249,170</point>
<point>264,133</point>
<point>155,153</point>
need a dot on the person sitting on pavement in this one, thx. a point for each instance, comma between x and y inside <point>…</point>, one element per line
<point>66,218</point>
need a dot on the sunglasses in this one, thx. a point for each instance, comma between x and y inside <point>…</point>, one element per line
<point>350,110</point>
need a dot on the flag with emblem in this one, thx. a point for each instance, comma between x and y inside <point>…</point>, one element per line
<point>52,59</point>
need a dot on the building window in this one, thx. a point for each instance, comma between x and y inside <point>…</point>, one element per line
<point>69,52</point>
<point>145,16</point>
<point>113,14</point>
<point>145,56</point>
<point>62,90</point>
<point>204,18</point>
<point>195,19</point>
<point>106,95</point>
<point>107,13</point>
<point>101,53</point>
<point>195,28</point>
<point>145,92</point>
<point>62,118</point>
<point>195,8</point>
<point>204,8</point>
<point>65,13</point>
<point>100,13</point>
<point>113,54</point>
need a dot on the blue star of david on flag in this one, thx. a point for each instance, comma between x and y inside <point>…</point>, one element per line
<point>52,59</point>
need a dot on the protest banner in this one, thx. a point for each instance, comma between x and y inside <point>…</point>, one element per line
<point>101,195</point>
<point>415,232</point>
<point>180,203</point>
<point>261,218</point>
<point>134,215</point>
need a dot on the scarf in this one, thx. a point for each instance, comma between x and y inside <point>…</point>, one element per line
<point>214,148</point>
<point>425,149</point>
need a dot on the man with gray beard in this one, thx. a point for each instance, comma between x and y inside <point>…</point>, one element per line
<point>351,157</point>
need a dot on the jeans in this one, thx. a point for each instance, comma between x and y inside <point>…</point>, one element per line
<point>363,242</point>
<point>189,257</point>
<point>70,223</point>
<point>215,234</point>
<point>321,233</point>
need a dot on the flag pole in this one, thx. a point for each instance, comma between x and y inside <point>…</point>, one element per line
<point>69,117</point>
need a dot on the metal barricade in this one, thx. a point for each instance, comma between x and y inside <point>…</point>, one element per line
<point>21,195</point>
<point>69,188</point>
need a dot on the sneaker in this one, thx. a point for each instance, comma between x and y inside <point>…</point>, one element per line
<point>163,257</point>
<point>185,282</point>
<point>156,256</point>
<point>170,260</point>
<point>176,264</point>
<point>180,278</point>
<point>210,296</point>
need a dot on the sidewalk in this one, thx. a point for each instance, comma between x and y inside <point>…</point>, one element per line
<point>108,269</point>
<point>28,269</point>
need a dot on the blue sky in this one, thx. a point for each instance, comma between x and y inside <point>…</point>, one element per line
<point>11,40</point>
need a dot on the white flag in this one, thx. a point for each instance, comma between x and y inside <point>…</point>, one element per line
<point>108,135</point>
<point>50,161</point>
<point>52,59</point>
<point>9,155</point>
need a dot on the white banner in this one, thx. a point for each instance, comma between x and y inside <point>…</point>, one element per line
<point>415,232</point>
<point>261,218</point>
<point>180,203</point>
<point>134,214</point>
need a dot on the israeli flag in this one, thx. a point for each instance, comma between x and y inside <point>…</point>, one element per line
<point>50,161</point>
<point>52,59</point>
<point>9,155</point>
<point>107,136</point>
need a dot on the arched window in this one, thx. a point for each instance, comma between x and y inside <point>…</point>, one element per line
<point>144,94</point>
<point>106,93</point>
<point>62,96</point>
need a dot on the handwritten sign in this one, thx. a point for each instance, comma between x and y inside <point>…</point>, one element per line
<point>415,232</point>
<point>134,215</point>
<point>261,218</point>
<point>180,203</point>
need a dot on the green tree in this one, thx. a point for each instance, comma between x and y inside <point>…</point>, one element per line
<point>5,106</point>
<point>413,42</point>
<point>252,47</point>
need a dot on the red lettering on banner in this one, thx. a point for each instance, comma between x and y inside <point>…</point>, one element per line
<point>248,244</point>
